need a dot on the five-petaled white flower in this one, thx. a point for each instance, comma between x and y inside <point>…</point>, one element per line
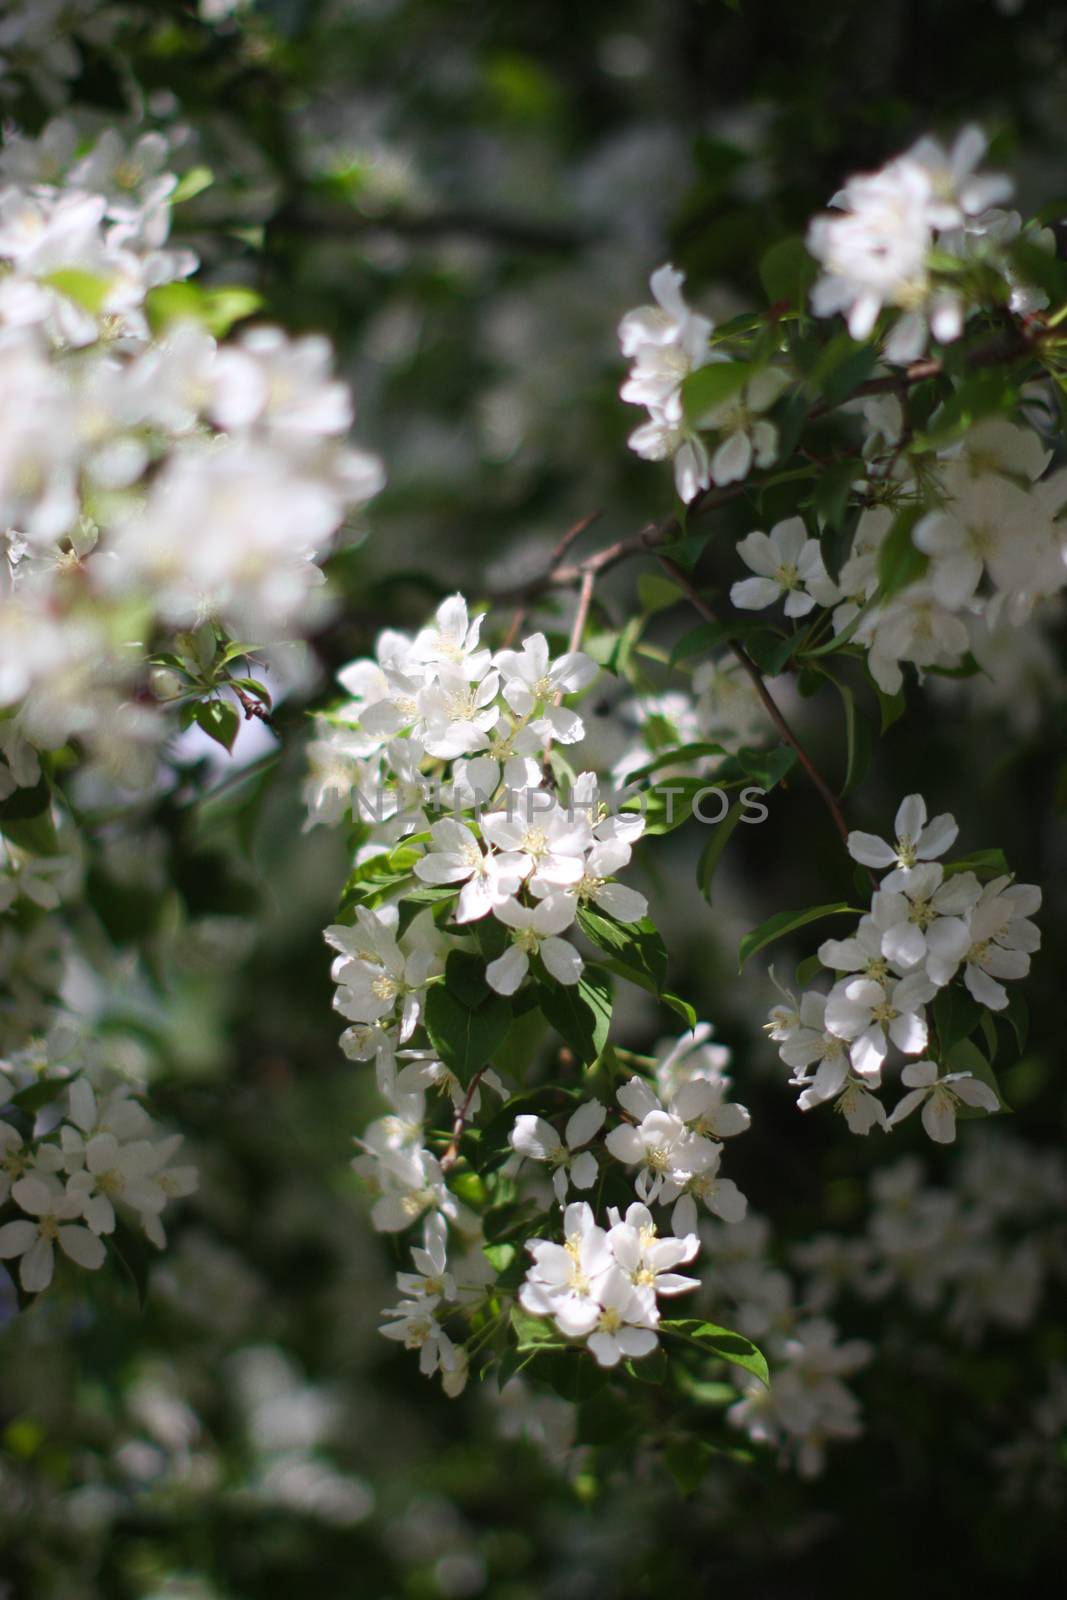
<point>940,1097</point>
<point>535,930</point>
<point>659,1142</point>
<point>916,840</point>
<point>538,1140</point>
<point>488,878</point>
<point>868,1014</point>
<point>54,1211</point>
<point>788,564</point>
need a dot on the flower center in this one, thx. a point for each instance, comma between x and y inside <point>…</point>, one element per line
<point>922,913</point>
<point>906,850</point>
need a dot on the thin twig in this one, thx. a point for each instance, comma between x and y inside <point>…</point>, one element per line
<point>571,535</point>
<point>559,574</point>
<point>512,232</point>
<point>451,1154</point>
<point>581,615</point>
<point>696,599</point>
<point>514,627</point>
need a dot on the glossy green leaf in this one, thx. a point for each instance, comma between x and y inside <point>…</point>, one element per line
<point>784,922</point>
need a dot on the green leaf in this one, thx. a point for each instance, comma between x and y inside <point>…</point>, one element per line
<point>725,1344</point>
<point>573,1374</point>
<point>784,922</point>
<point>712,852</point>
<point>535,1333</point>
<point>86,289</point>
<point>842,367</point>
<point>656,593</point>
<point>22,805</point>
<point>787,271</point>
<point>580,1012</point>
<point>992,863</point>
<point>687,1461</point>
<point>966,1057</point>
<point>676,757</point>
<point>652,1368</point>
<point>1040,267</point>
<point>770,651</point>
<point>955,1015</point>
<point>465,1037</point>
<point>219,720</point>
<point>216,309</point>
<point>891,706</point>
<point>634,946</point>
<point>981,395</point>
<point>768,767</point>
<point>666,806</point>
<point>603,1420</point>
<point>503,1223</point>
<point>807,969</point>
<point>131,1250</point>
<point>39,1094</point>
<point>859,738</point>
<point>499,1256</point>
<point>708,387</point>
<point>191,183</point>
<point>832,489</point>
<point>711,634</point>
<point>465,978</point>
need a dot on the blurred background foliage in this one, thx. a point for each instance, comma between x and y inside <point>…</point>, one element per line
<point>466,196</point>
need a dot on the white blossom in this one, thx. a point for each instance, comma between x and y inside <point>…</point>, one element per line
<point>939,1098</point>
<point>788,565</point>
<point>537,1140</point>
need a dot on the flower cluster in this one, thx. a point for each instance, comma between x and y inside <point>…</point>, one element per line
<point>927,925</point>
<point>809,1405</point>
<point>877,251</point>
<point>71,1186</point>
<point>668,341</point>
<point>438,723</point>
<point>152,479</point>
<point>602,1285</point>
<point>163,493</point>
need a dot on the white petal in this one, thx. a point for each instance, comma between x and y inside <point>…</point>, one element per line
<point>562,960</point>
<point>507,971</point>
<point>869,850</point>
<point>83,1247</point>
<point>753,594</point>
<point>585,1122</point>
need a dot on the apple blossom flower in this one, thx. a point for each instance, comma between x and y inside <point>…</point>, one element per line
<point>535,931</point>
<point>926,919</point>
<point>787,563</point>
<point>537,1140</point>
<point>1001,941</point>
<point>746,437</point>
<point>54,1210</point>
<point>939,1098</point>
<point>564,1281</point>
<point>869,1015</point>
<point>488,878</point>
<point>658,1142</point>
<point>916,840</point>
<point>625,1325</point>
